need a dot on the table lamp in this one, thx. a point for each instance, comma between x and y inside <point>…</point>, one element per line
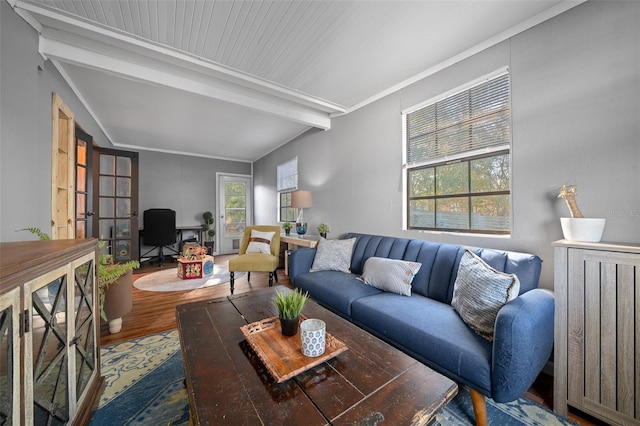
<point>301,200</point>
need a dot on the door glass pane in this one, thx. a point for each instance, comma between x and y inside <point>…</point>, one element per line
<point>85,348</point>
<point>107,164</point>
<point>107,186</point>
<point>81,152</point>
<point>122,249</point>
<point>81,229</point>
<point>81,203</point>
<point>106,207</point>
<point>123,187</point>
<point>123,228</point>
<point>81,179</point>
<point>49,333</point>
<point>123,207</point>
<point>106,228</point>
<point>124,166</point>
<point>6,367</point>
<point>235,211</point>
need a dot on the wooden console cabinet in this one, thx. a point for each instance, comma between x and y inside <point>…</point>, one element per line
<point>49,329</point>
<point>597,330</point>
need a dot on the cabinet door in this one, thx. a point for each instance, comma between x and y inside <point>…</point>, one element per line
<point>10,364</point>
<point>60,346</point>
<point>603,331</point>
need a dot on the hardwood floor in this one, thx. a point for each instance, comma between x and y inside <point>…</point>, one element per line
<point>155,312</point>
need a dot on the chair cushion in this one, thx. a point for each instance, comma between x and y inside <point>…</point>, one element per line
<point>254,262</point>
<point>390,274</point>
<point>260,242</point>
<point>333,255</point>
<point>480,291</point>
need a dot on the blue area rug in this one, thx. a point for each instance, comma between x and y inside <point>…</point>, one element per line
<point>144,386</point>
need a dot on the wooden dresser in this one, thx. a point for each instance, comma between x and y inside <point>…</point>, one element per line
<point>49,328</point>
<point>597,330</point>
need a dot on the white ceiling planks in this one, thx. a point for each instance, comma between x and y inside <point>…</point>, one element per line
<point>285,60</point>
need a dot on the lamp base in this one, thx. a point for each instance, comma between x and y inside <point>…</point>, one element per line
<point>301,228</point>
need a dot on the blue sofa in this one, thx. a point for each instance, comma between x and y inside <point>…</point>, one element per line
<point>425,325</point>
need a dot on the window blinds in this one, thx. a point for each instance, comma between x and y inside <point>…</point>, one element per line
<point>288,175</point>
<point>476,118</point>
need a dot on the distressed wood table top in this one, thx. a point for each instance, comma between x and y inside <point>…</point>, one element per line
<point>370,382</point>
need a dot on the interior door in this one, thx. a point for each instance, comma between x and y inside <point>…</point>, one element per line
<point>234,210</point>
<point>115,202</point>
<point>84,190</point>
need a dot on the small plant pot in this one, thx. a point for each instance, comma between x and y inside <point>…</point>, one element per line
<point>289,326</point>
<point>287,232</point>
<point>582,229</point>
<point>323,235</point>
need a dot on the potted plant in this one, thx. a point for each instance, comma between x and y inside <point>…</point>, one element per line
<point>287,227</point>
<point>577,227</point>
<point>208,231</point>
<point>289,305</point>
<point>115,283</point>
<point>323,230</point>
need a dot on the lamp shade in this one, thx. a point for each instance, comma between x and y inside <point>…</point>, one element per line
<point>301,199</point>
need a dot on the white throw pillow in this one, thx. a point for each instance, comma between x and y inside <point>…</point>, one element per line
<point>333,255</point>
<point>260,242</point>
<point>480,291</point>
<point>390,274</point>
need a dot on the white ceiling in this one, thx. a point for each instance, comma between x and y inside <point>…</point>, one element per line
<point>235,79</point>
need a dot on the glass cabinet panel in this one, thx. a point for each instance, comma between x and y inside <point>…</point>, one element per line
<point>84,340</point>
<point>49,350</point>
<point>9,358</point>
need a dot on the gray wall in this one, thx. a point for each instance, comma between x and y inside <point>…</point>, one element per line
<point>576,119</point>
<point>186,184</point>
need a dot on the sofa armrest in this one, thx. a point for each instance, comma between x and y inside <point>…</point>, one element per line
<point>523,340</point>
<point>300,262</point>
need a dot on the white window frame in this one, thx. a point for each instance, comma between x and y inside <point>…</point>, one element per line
<point>282,187</point>
<point>461,156</point>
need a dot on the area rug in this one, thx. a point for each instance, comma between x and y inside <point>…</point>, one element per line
<point>144,386</point>
<point>167,280</point>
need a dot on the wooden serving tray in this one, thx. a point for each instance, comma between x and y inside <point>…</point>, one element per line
<point>282,355</point>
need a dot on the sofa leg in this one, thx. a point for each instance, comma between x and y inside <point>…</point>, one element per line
<point>249,276</point>
<point>231,280</point>
<point>479,407</point>
<point>270,279</point>
<point>275,274</point>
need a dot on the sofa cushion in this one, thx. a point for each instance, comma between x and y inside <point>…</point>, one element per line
<point>333,255</point>
<point>390,274</point>
<point>260,242</point>
<point>480,291</point>
<point>336,290</point>
<point>431,332</point>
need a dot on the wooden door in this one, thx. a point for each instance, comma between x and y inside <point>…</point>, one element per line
<point>234,210</point>
<point>115,202</point>
<point>62,170</point>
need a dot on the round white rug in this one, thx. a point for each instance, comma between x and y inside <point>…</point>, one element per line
<point>167,280</point>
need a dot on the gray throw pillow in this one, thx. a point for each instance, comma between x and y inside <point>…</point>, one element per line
<point>333,255</point>
<point>390,274</point>
<point>480,291</point>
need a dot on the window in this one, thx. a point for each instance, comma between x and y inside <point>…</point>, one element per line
<point>287,183</point>
<point>457,152</point>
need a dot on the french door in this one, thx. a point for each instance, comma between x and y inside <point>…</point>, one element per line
<point>115,202</point>
<point>84,190</point>
<point>234,210</point>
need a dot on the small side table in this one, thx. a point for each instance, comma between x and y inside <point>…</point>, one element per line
<point>295,241</point>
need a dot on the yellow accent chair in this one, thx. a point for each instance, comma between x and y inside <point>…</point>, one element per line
<point>257,262</point>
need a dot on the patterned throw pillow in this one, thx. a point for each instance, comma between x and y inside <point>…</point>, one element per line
<point>333,255</point>
<point>260,242</point>
<point>480,291</point>
<point>390,274</point>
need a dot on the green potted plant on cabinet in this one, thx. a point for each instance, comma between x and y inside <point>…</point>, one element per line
<point>208,232</point>
<point>287,227</point>
<point>323,230</point>
<point>289,305</point>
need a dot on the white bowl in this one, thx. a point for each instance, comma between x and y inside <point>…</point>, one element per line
<point>582,229</point>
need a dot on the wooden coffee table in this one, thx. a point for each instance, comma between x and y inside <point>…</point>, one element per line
<point>368,383</point>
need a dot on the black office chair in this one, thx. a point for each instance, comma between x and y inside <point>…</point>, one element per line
<point>159,231</point>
